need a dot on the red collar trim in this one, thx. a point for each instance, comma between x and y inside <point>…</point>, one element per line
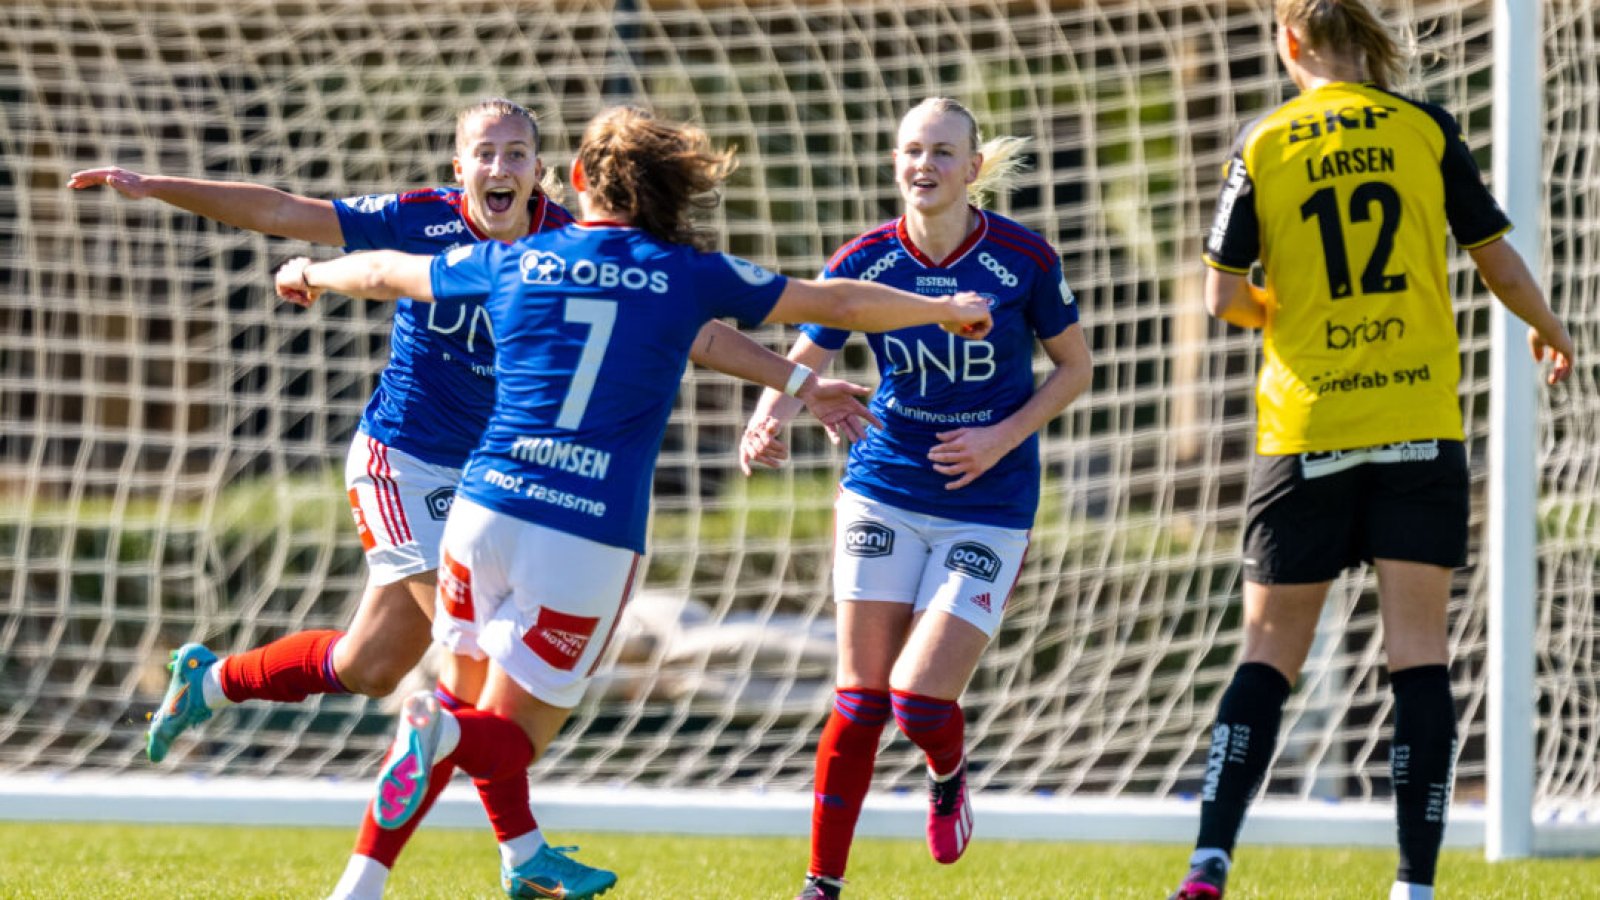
<point>962,249</point>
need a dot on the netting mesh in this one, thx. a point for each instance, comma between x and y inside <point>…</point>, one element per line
<point>170,436</point>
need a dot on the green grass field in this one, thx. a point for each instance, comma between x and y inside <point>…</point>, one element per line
<point>51,860</point>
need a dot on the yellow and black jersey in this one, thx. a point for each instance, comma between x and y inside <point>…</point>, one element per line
<point>1347,195</point>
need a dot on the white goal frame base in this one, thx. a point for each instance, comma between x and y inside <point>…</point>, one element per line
<point>285,802</point>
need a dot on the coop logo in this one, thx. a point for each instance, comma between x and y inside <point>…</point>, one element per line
<point>560,638</point>
<point>444,228</point>
<point>371,203</point>
<point>753,275</point>
<point>973,559</point>
<point>539,267</point>
<point>868,540</point>
<point>439,503</point>
<point>881,266</point>
<point>1000,271</point>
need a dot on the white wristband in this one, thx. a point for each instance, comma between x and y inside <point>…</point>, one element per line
<point>797,379</point>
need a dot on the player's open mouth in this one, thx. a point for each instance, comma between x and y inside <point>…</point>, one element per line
<point>924,184</point>
<point>500,199</point>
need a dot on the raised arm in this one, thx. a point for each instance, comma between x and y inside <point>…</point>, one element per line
<point>869,306</point>
<point>240,204</point>
<point>373,275</point>
<point>1508,277</point>
<point>761,444</point>
<point>832,401</point>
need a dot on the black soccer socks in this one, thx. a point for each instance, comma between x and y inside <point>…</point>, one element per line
<point>1422,762</point>
<point>1242,742</point>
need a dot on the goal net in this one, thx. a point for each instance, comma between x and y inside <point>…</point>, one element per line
<point>170,435</point>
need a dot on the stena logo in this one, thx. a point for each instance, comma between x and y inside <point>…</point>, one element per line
<point>752,274</point>
<point>609,275</point>
<point>869,540</point>
<point>370,203</point>
<point>1067,296</point>
<point>444,228</point>
<point>539,267</point>
<point>883,265</point>
<point>1000,272</point>
<point>973,559</point>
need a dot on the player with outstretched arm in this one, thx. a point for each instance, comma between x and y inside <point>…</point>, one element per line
<point>427,414</point>
<point>1346,195</point>
<point>933,517</point>
<point>594,323</point>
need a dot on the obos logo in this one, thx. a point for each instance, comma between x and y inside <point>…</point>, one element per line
<point>751,273</point>
<point>539,267</point>
<point>444,228</point>
<point>439,503</point>
<point>868,539</point>
<point>371,202</point>
<point>973,559</point>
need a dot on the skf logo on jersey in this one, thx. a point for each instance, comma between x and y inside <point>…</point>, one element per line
<point>1067,296</point>
<point>370,203</point>
<point>439,501</point>
<point>982,602</point>
<point>973,559</point>
<point>869,540</point>
<point>559,638</point>
<point>455,589</point>
<point>539,267</point>
<point>1000,271</point>
<point>752,274</point>
<point>365,533</point>
<point>444,228</point>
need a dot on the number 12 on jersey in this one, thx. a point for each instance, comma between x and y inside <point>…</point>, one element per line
<point>1324,207</point>
<point>600,316</point>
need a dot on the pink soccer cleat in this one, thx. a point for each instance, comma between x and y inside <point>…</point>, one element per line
<point>949,816</point>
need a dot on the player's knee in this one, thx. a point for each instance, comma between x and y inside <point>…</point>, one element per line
<point>375,679</point>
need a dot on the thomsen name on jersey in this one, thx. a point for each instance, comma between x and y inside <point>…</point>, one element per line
<point>562,455</point>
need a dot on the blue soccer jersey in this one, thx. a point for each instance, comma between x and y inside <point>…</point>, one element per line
<point>933,381</point>
<point>434,397</point>
<point>594,324</point>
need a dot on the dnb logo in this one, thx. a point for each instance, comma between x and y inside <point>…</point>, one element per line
<point>973,559</point>
<point>439,503</point>
<point>868,539</point>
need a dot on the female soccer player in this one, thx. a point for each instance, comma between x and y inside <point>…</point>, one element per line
<point>430,408</point>
<point>594,323</point>
<point>1345,193</point>
<point>934,512</point>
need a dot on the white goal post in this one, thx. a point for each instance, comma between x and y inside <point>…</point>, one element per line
<point>170,437</point>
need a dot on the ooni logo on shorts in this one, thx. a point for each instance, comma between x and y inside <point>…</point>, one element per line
<point>868,539</point>
<point>439,501</point>
<point>973,559</point>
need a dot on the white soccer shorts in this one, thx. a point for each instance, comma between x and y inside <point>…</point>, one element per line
<point>884,553</point>
<point>541,603</point>
<point>400,504</point>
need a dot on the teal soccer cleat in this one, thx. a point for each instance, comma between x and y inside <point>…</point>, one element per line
<point>552,873</point>
<point>184,705</point>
